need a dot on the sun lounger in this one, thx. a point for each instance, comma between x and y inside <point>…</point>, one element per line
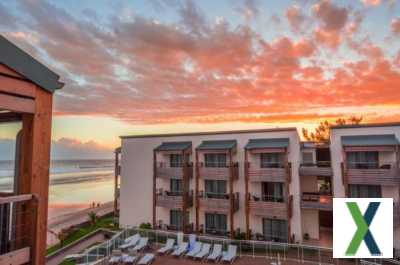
<point>196,249</point>
<point>180,250</point>
<point>116,257</point>
<point>130,242</point>
<point>169,246</point>
<point>129,258</point>
<point>205,250</point>
<point>142,244</point>
<point>146,259</point>
<point>230,255</point>
<point>216,253</point>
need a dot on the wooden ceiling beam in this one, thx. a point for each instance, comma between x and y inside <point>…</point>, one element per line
<point>16,104</point>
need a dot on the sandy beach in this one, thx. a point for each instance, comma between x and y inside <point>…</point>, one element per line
<point>55,224</point>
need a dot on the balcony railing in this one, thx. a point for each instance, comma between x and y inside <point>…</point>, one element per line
<point>173,200</point>
<point>316,201</point>
<point>222,172</point>
<point>321,168</point>
<point>268,174</point>
<point>164,170</point>
<point>18,215</point>
<point>386,175</point>
<point>269,207</point>
<point>218,202</point>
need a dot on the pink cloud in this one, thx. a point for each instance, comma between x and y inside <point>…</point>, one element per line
<point>395,26</point>
<point>295,17</point>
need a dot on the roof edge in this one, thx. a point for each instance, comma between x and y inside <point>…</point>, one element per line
<point>210,133</point>
<point>366,125</point>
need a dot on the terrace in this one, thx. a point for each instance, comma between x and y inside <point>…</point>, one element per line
<point>248,252</point>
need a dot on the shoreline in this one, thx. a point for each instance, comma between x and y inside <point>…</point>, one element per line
<point>57,223</point>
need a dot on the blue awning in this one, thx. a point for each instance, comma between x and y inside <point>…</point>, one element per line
<point>174,146</point>
<point>217,145</point>
<point>369,140</point>
<point>267,143</point>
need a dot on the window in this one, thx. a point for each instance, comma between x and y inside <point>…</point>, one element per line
<point>275,230</point>
<point>363,160</point>
<point>272,191</point>
<point>365,191</point>
<point>176,187</point>
<point>308,158</point>
<point>271,160</point>
<point>176,220</point>
<point>215,188</point>
<point>216,223</point>
<point>215,160</point>
<point>175,160</point>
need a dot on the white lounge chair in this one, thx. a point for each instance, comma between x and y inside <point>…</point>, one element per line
<point>230,255</point>
<point>196,249</point>
<point>116,257</point>
<point>146,259</point>
<point>144,241</point>
<point>130,242</point>
<point>169,246</point>
<point>129,258</point>
<point>205,250</point>
<point>180,250</point>
<point>216,253</point>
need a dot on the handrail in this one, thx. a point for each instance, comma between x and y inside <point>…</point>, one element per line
<point>16,198</point>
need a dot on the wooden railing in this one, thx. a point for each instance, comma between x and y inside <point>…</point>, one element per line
<point>218,203</point>
<point>268,208</point>
<point>167,172</point>
<point>173,200</point>
<point>18,215</point>
<point>219,173</point>
<point>258,174</point>
<point>373,176</point>
<point>316,201</point>
<point>316,169</point>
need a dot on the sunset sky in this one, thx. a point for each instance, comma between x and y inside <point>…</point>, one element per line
<point>156,66</point>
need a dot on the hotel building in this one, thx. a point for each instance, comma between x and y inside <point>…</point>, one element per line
<point>256,184</point>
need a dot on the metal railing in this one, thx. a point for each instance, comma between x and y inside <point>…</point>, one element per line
<point>245,248</point>
<point>18,217</point>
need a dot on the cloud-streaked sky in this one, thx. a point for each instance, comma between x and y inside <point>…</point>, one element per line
<point>133,67</point>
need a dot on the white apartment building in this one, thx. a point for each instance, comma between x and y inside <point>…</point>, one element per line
<point>262,184</point>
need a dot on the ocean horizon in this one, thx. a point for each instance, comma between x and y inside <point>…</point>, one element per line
<point>74,184</point>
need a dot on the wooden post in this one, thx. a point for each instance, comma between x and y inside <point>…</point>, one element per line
<point>34,168</point>
<point>185,191</point>
<point>247,195</point>
<point>231,197</point>
<point>116,171</point>
<point>196,190</point>
<point>154,188</point>
<point>287,191</point>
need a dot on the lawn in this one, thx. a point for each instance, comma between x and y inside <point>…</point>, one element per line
<point>103,222</point>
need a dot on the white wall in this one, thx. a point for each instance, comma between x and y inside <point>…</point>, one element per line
<point>137,175</point>
<point>310,221</point>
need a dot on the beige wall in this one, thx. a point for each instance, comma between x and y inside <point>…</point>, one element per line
<point>310,223</point>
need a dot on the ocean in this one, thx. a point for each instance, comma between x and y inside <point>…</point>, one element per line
<point>74,184</point>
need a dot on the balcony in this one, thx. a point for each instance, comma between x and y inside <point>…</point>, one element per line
<point>216,172</point>
<point>321,168</point>
<point>316,201</point>
<point>164,170</point>
<point>173,200</point>
<point>385,175</point>
<point>268,207</point>
<point>277,173</point>
<point>218,202</point>
<point>18,214</point>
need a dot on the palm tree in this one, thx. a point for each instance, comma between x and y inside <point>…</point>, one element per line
<point>92,218</point>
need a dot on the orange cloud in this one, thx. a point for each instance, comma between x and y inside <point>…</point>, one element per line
<point>395,26</point>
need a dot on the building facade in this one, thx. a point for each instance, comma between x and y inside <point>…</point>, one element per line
<point>256,184</point>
